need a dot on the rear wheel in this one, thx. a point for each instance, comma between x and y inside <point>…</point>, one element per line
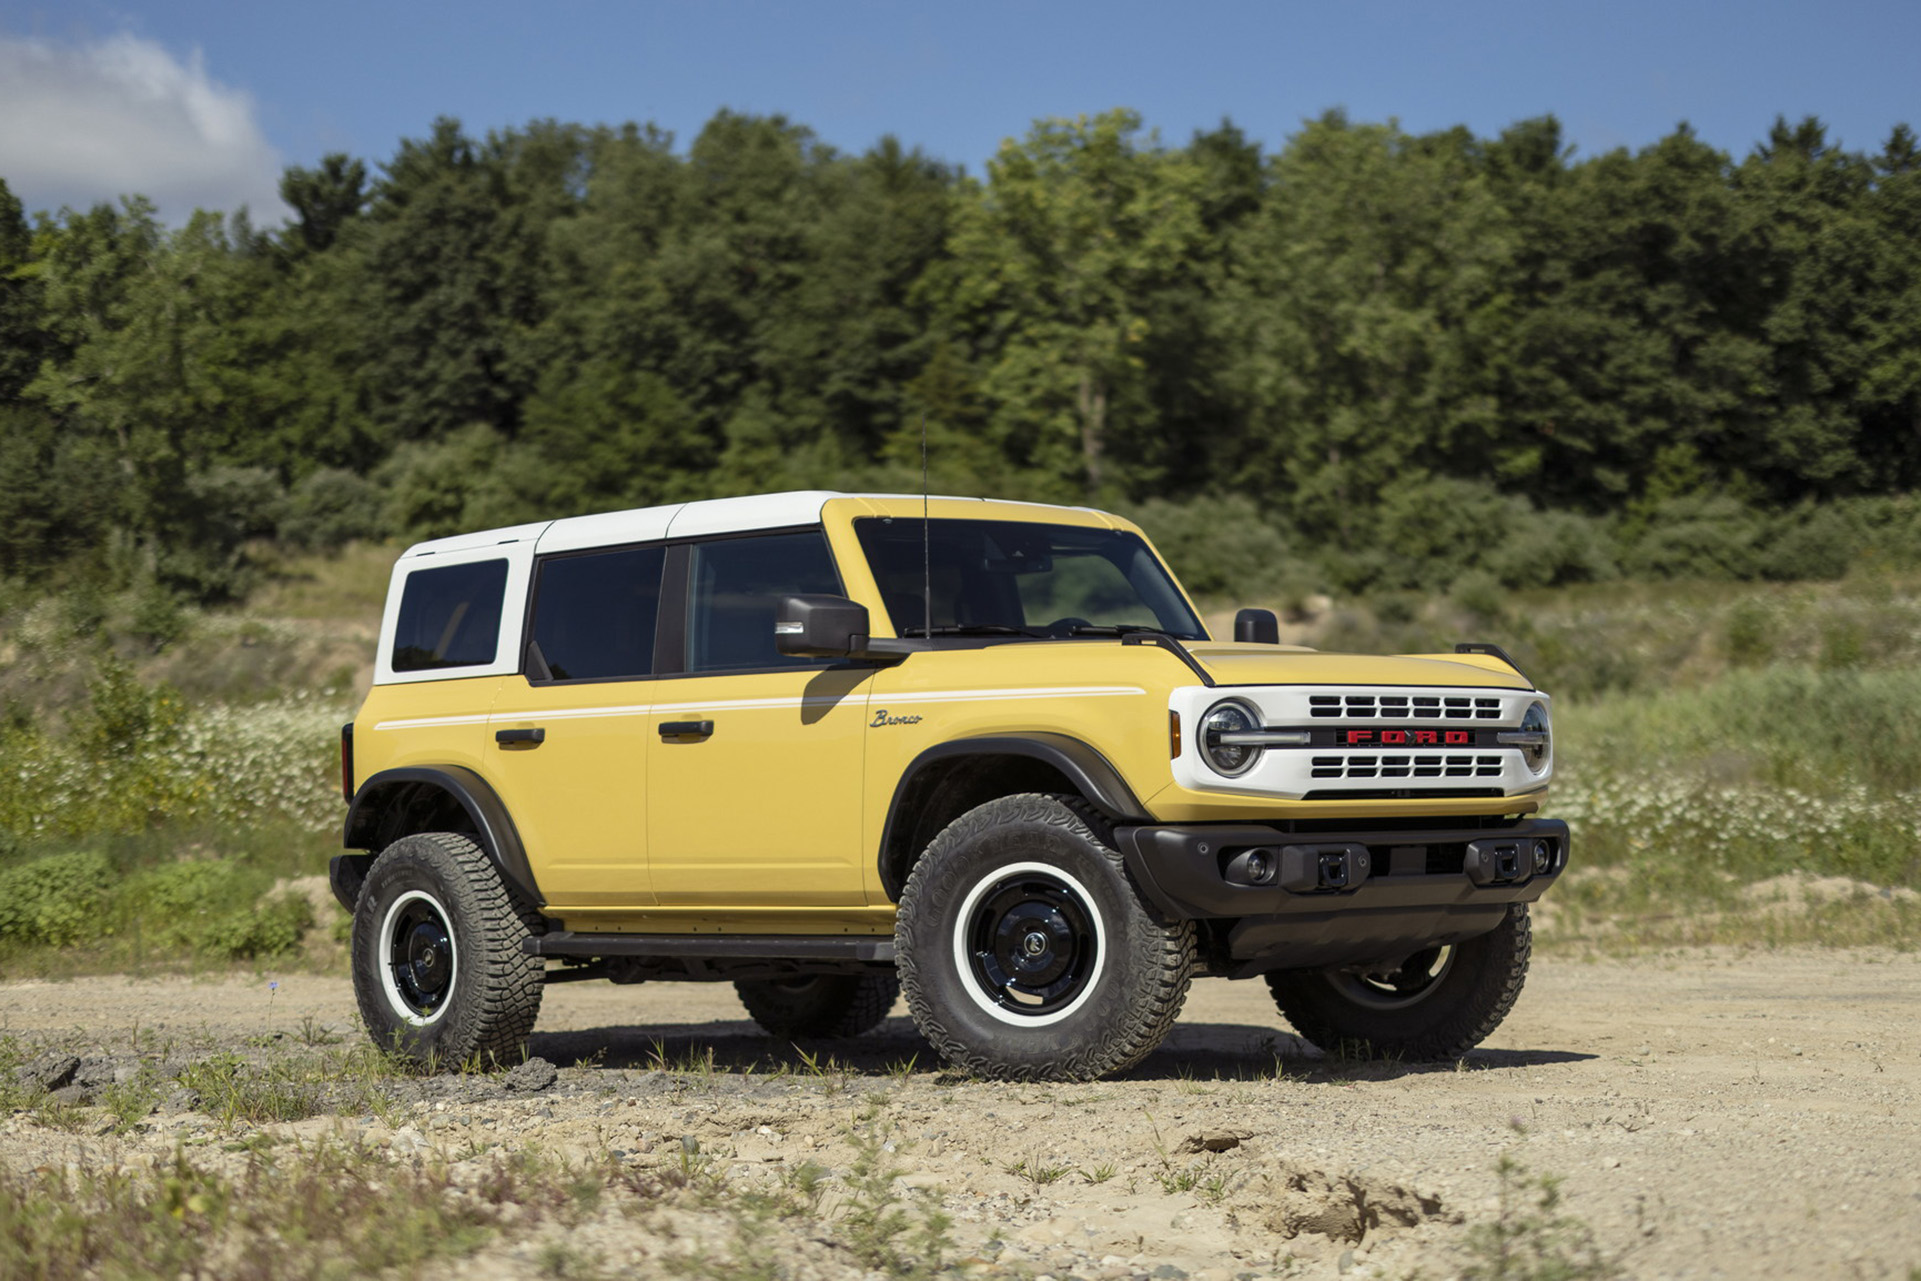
<point>438,965</point>
<point>1437,1004</point>
<point>1026,952</point>
<point>819,1004</point>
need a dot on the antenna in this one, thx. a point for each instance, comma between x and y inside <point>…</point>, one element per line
<point>926,539</point>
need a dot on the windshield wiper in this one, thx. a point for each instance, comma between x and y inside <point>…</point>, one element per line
<point>972,629</point>
<point>1115,629</point>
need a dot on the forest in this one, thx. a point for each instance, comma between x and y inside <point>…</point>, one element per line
<point>1367,360</point>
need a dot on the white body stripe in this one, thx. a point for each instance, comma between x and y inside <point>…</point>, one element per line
<point>763,704</point>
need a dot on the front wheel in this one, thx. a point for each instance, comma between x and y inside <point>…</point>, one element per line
<point>1437,1004</point>
<point>438,965</point>
<point>1026,953</point>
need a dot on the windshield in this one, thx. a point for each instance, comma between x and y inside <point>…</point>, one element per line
<point>1010,577</point>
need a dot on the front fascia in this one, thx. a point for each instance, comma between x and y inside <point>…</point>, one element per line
<point>1434,739</point>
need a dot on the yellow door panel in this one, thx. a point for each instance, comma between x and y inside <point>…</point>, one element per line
<point>573,768</point>
<point>579,795</point>
<point>764,809</point>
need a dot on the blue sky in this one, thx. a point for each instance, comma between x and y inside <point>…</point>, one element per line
<point>201,102</point>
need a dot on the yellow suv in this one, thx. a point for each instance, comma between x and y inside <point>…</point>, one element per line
<point>836,748</point>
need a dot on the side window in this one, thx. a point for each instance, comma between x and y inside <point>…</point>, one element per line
<point>594,615</point>
<point>450,617</point>
<point>733,585</point>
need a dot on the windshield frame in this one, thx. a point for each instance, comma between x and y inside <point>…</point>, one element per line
<point>989,572</point>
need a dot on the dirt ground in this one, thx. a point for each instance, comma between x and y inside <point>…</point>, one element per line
<point>1712,1114</point>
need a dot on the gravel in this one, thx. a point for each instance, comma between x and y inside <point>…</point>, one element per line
<point>1712,1113</point>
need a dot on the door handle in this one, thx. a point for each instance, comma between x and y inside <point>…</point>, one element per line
<point>520,737</point>
<point>686,729</point>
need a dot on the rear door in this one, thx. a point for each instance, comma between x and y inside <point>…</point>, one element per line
<point>567,741</point>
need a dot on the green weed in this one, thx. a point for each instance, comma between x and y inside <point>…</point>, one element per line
<point>1531,1237</point>
<point>878,1225</point>
<point>1036,1171</point>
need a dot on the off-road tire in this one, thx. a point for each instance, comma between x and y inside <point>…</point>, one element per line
<point>819,1005</point>
<point>424,893</point>
<point>1442,1021</point>
<point>1010,870</point>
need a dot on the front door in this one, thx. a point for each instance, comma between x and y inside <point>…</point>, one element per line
<point>755,758</point>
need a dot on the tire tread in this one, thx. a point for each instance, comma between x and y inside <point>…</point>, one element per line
<point>1164,951</point>
<point>505,984</point>
<point>1323,1018</point>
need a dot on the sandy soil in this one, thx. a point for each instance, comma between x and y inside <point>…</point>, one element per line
<point>1713,1114</point>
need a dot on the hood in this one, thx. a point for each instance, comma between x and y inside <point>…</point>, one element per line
<point>1233,664</point>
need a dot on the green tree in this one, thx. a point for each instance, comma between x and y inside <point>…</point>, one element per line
<point>1077,224</point>
<point>1364,301</point>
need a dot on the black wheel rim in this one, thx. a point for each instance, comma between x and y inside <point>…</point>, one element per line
<point>420,956</point>
<point>1032,944</point>
<point>1416,979</point>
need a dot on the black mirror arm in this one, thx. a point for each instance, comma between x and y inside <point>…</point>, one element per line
<point>887,649</point>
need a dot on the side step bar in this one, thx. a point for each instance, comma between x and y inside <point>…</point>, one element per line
<point>760,947</point>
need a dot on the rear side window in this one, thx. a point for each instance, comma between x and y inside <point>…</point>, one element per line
<point>594,616</point>
<point>734,585</point>
<point>450,617</point>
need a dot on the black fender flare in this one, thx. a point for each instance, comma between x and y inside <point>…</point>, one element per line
<point>493,826</point>
<point>1091,774</point>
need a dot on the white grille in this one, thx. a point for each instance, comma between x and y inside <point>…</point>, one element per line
<point>1411,765</point>
<point>1441,707</point>
<point>1334,764</point>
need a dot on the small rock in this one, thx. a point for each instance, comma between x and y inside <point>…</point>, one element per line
<point>1168,1272</point>
<point>531,1077</point>
<point>1215,1141</point>
<point>94,1073</point>
<point>49,1071</point>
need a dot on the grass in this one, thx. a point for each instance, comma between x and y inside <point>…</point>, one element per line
<point>322,1211</point>
<point>1777,805</point>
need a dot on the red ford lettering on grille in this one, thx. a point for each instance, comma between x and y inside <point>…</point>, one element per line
<point>1404,737</point>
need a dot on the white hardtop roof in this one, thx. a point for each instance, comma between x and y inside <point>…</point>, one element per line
<point>675,520</point>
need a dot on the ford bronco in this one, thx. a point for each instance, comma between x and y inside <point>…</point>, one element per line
<point>838,748</point>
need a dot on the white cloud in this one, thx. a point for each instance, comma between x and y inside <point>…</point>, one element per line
<point>80,124</point>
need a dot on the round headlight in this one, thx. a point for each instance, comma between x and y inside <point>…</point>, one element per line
<point>1224,722</point>
<point>1539,749</point>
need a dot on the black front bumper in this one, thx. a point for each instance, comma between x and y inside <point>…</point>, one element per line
<point>1302,899</point>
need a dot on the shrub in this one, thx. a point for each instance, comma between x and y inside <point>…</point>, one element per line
<point>215,909</point>
<point>330,508</point>
<point>1552,549</point>
<point>1221,546</point>
<point>1699,536</point>
<point>1815,544</point>
<point>55,900</point>
<point>1752,629</point>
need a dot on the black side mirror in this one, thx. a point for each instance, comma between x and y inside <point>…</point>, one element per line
<point>819,626</point>
<point>1257,627</point>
